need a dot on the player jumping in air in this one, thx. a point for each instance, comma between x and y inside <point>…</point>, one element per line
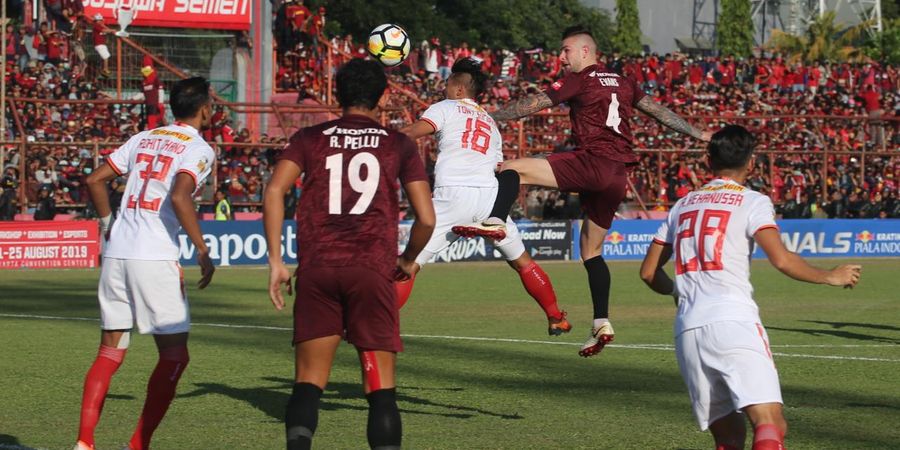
<point>721,346</point>
<point>141,282</point>
<point>347,245</point>
<point>469,149</point>
<point>601,106</point>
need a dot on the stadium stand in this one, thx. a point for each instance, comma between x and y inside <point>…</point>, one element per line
<point>829,132</point>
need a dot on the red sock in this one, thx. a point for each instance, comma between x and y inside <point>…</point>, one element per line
<point>404,289</point>
<point>96,384</point>
<point>160,392</point>
<point>768,437</point>
<point>537,283</point>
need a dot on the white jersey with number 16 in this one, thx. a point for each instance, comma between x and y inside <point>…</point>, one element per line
<point>146,227</point>
<point>711,231</point>
<point>469,144</point>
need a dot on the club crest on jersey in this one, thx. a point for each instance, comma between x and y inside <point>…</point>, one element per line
<point>201,166</point>
<point>556,85</point>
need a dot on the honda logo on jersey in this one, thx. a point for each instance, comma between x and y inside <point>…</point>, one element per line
<point>353,131</point>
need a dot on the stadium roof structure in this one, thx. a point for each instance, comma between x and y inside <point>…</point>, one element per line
<point>694,45</point>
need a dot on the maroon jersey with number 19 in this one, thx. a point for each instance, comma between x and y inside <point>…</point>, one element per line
<point>601,105</point>
<point>348,209</point>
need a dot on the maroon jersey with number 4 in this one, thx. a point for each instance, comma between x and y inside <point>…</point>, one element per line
<point>348,209</point>
<point>601,105</point>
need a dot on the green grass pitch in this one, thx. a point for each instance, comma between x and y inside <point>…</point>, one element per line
<point>479,371</point>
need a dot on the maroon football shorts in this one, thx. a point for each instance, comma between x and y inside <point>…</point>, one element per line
<point>600,182</point>
<point>355,302</point>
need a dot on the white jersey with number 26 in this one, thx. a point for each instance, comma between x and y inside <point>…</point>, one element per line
<point>711,231</point>
<point>146,227</point>
<point>469,144</point>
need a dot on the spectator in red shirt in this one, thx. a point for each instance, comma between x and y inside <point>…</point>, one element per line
<point>151,86</point>
<point>100,32</point>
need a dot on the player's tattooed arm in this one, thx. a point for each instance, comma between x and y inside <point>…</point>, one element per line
<point>668,118</point>
<point>523,107</point>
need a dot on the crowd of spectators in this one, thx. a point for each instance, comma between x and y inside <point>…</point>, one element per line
<point>856,177</point>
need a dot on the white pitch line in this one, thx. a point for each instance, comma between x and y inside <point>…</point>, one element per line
<point>665,347</point>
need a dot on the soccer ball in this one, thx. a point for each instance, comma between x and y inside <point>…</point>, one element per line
<point>389,44</point>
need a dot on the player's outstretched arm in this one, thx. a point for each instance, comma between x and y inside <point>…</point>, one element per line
<point>419,194</point>
<point>183,204</point>
<point>420,128</point>
<point>283,177</point>
<point>792,265</point>
<point>523,107</point>
<point>668,118</point>
<point>652,270</point>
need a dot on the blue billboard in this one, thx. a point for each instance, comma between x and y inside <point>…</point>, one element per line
<point>810,238</point>
<point>243,242</point>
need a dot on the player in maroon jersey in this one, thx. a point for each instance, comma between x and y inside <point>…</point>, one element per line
<point>601,106</point>
<point>347,249</point>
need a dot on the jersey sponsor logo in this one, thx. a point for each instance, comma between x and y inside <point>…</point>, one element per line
<point>353,131</point>
<point>596,74</point>
<point>170,133</point>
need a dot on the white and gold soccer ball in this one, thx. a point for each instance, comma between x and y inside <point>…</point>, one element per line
<point>389,44</point>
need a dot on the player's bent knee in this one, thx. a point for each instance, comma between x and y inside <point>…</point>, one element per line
<point>177,354</point>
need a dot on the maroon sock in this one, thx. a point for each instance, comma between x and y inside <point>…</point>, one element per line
<point>96,385</point>
<point>767,437</point>
<point>160,392</point>
<point>538,285</point>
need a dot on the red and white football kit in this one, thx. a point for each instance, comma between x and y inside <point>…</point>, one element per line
<point>721,345</point>
<point>141,280</point>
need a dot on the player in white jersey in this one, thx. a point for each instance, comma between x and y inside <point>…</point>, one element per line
<point>720,343</point>
<point>141,283</point>
<point>469,150</point>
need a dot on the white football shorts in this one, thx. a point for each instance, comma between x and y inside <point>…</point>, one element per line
<point>149,294</point>
<point>103,51</point>
<point>461,205</point>
<point>726,366</point>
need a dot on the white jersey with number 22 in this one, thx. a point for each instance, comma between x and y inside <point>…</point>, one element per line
<point>711,231</point>
<point>469,144</point>
<point>146,227</point>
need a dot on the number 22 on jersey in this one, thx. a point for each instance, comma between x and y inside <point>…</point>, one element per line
<point>705,242</point>
<point>366,187</point>
<point>148,174</point>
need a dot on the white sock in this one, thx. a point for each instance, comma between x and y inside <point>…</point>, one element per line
<point>600,322</point>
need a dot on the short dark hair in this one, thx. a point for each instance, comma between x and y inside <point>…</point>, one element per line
<point>360,82</point>
<point>730,148</point>
<point>575,30</point>
<point>477,78</point>
<point>188,96</point>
